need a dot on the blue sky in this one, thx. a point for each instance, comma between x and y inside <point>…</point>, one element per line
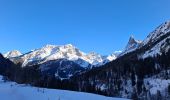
<point>103,26</point>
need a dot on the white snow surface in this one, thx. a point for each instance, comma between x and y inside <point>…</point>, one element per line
<point>13,91</point>
<point>69,52</point>
<point>157,84</point>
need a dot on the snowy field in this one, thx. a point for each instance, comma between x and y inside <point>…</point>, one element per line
<point>13,91</point>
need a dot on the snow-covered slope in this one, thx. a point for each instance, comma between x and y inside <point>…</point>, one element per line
<point>111,57</point>
<point>53,52</point>
<point>13,91</point>
<point>158,32</point>
<point>12,54</point>
<point>159,40</point>
<point>158,49</point>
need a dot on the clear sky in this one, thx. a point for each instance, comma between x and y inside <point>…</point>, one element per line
<point>103,26</point>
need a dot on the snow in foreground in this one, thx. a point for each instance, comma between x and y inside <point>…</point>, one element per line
<point>13,91</point>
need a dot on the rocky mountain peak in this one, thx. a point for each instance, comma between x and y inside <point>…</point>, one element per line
<point>132,43</point>
<point>13,53</point>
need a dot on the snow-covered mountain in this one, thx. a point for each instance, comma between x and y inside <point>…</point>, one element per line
<point>161,30</point>
<point>141,72</point>
<point>53,52</point>
<point>11,54</point>
<point>62,61</point>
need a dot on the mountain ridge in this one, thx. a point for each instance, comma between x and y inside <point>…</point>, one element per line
<point>54,52</point>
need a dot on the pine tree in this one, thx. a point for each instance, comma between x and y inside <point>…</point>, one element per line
<point>169,89</point>
<point>159,96</point>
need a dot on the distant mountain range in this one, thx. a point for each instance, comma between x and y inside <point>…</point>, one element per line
<point>53,52</point>
<point>65,57</point>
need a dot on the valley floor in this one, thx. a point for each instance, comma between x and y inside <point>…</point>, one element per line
<point>13,91</point>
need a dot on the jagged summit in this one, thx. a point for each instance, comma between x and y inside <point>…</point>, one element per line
<point>131,45</point>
